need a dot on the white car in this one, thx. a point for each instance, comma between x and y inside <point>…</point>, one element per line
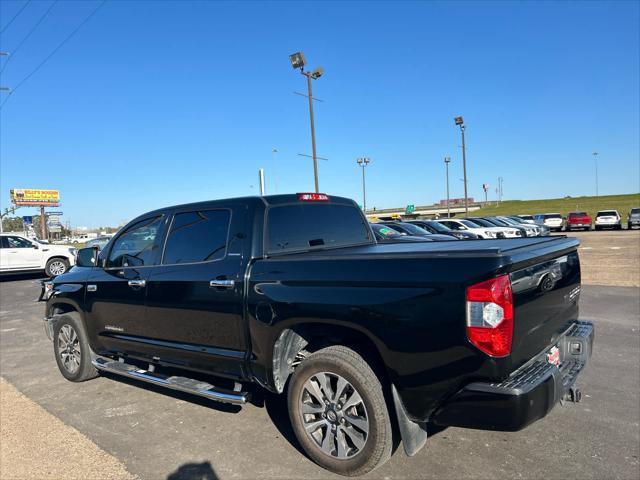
<point>527,219</point>
<point>608,219</point>
<point>552,220</point>
<point>20,254</point>
<point>465,225</point>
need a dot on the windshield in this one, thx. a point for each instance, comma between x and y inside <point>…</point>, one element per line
<point>481,222</point>
<point>498,221</point>
<point>510,221</point>
<point>607,213</point>
<point>411,228</point>
<point>438,227</point>
<point>469,223</point>
<point>303,226</point>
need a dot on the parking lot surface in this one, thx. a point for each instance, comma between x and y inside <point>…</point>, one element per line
<point>610,257</point>
<point>158,434</point>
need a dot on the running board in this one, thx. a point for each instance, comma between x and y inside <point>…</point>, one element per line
<point>182,384</point>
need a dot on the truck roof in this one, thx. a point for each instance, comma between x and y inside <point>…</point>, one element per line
<point>267,200</point>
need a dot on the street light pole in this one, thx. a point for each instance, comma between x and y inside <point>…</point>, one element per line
<point>298,61</point>
<point>275,176</point>
<point>363,162</point>
<point>460,123</point>
<point>447,160</point>
<point>313,131</point>
<point>595,158</point>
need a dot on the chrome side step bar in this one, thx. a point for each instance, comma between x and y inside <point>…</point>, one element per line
<point>182,384</point>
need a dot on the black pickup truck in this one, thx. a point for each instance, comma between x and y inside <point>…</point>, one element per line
<point>292,293</point>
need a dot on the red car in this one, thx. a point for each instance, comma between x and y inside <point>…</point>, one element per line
<point>578,220</point>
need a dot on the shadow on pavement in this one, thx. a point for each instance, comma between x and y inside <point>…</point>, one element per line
<point>194,471</point>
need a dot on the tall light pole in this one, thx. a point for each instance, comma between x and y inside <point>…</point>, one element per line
<point>298,61</point>
<point>275,176</point>
<point>595,158</point>
<point>363,162</point>
<point>447,160</point>
<point>460,123</point>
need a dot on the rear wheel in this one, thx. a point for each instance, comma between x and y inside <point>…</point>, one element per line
<point>338,412</point>
<point>71,347</point>
<point>56,266</point>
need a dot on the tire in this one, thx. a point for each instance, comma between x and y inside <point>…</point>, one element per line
<point>70,336</point>
<point>56,266</point>
<point>363,438</point>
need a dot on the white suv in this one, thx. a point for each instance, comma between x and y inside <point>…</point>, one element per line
<point>20,254</point>
<point>608,219</point>
<point>552,220</point>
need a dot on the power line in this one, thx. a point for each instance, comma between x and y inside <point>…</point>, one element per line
<point>15,16</point>
<point>26,37</point>
<point>55,50</point>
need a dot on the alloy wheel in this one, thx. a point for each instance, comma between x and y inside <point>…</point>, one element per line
<point>334,415</point>
<point>69,348</point>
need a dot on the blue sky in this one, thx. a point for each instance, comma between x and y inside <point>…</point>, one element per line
<point>158,103</point>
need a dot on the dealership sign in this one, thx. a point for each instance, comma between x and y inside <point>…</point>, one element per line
<point>27,197</point>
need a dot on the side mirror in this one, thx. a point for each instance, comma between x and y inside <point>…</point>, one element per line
<point>87,257</point>
<point>34,245</point>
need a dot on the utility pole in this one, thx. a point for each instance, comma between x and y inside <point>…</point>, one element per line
<point>595,158</point>
<point>460,122</point>
<point>275,176</point>
<point>447,160</point>
<point>261,180</point>
<point>363,162</point>
<point>500,180</point>
<point>298,61</point>
<point>43,224</point>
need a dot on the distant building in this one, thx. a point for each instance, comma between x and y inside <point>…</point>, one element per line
<point>456,201</point>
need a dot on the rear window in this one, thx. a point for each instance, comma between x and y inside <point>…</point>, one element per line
<point>578,214</point>
<point>607,213</point>
<point>313,225</point>
<point>553,215</point>
<point>635,211</point>
<point>199,236</point>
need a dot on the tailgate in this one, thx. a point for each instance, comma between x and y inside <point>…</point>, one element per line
<point>545,296</point>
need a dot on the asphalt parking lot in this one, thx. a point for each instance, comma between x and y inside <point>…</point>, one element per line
<point>157,434</point>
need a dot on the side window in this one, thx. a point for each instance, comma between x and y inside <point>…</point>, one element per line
<point>16,242</point>
<point>134,248</point>
<point>197,237</point>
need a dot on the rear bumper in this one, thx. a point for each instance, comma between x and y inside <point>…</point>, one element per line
<point>528,394</point>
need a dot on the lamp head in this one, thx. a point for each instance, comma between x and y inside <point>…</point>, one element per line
<point>297,60</point>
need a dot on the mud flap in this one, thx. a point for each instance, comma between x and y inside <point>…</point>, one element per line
<point>414,434</point>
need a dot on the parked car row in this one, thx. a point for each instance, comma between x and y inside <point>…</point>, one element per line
<point>580,220</point>
<point>455,229</point>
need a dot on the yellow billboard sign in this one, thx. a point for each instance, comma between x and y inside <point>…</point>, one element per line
<point>35,198</point>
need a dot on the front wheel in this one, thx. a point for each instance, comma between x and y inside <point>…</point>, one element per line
<point>71,347</point>
<point>338,412</point>
<point>56,266</point>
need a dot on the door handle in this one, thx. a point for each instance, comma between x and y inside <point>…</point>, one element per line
<point>137,283</point>
<point>219,283</point>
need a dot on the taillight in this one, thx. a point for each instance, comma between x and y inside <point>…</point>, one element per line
<point>313,197</point>
<point>490,316</point>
